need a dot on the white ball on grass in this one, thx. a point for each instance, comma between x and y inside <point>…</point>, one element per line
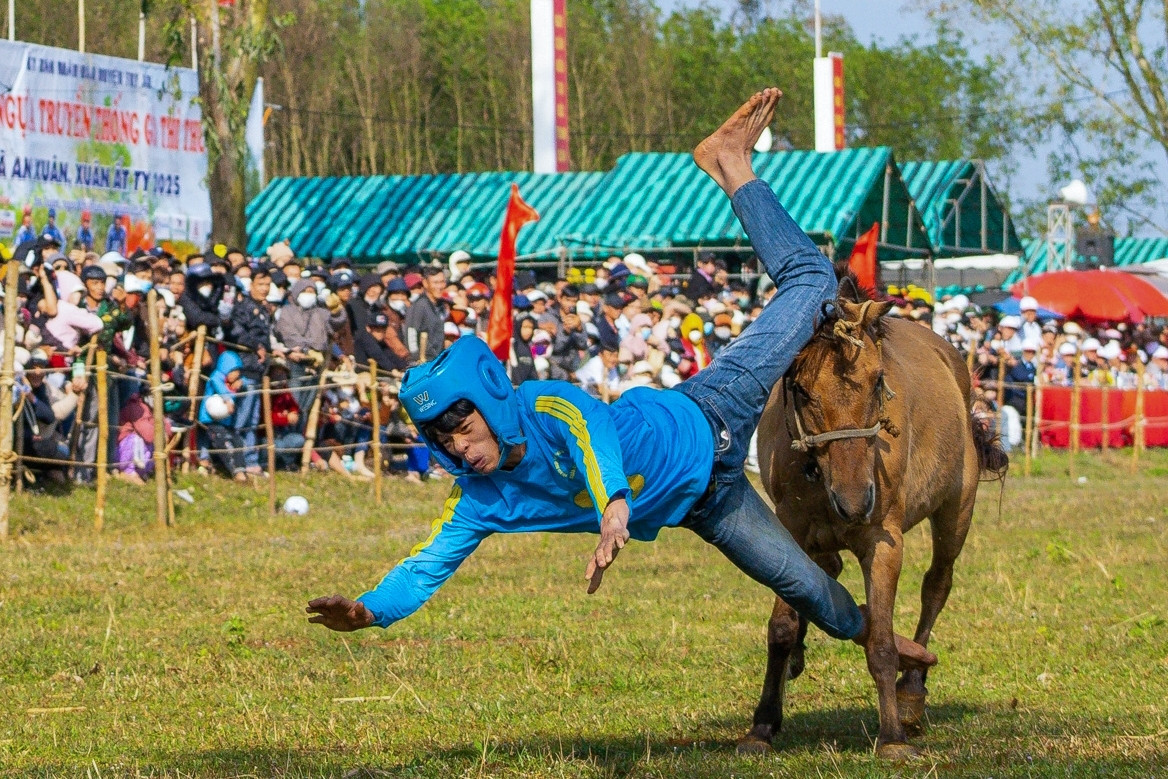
<point>296,504</point>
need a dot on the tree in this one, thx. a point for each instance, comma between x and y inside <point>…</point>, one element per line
<point>233,41</point>
<point>1100,69</point>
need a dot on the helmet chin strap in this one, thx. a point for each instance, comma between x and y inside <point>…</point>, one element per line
<point>505,449</point>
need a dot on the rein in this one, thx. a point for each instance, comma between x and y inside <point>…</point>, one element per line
<point>848,331</point>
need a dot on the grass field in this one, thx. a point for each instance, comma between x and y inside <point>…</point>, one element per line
<point>186,652</point>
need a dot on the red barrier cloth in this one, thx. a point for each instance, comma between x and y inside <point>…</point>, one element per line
<point>1121,408</point>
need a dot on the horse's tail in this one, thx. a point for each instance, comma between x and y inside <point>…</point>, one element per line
<point>991,457</point>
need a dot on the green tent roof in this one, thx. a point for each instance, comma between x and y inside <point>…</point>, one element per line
<point>405,217</point>
<point>953,196</point>
<point>1128,251</point>
<point>648,201</point>
<point>655,201</point>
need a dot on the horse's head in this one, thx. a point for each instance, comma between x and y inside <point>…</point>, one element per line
<point>837,390</point>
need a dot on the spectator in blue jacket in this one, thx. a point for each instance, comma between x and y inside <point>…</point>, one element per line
<point>217,415</point>
<point>51,230</point>
<point>115,239</point>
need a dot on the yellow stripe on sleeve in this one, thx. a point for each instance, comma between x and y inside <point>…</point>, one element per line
<point>438,523</point>
<point>566,412</point>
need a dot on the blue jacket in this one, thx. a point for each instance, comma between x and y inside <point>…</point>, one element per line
<point>25,234</point>
<point>652,447</point>
<point>54,231</point>
<point>1021,373</point>
<point>217,385</point>
<point>115,239</point>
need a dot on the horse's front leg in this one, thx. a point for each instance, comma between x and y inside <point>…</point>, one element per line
<point>784,633</point>
<point>881,573</point>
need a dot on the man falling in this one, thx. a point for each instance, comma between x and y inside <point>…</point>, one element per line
<point>547,457</point>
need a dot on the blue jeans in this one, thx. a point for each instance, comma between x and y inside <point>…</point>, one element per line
<point>247,419</point>
<point>732,393</point>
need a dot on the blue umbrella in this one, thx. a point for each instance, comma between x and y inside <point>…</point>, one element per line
<point>1009,307</point>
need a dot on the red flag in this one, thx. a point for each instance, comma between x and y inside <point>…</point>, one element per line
<point>502,321</point>
<point>863,259</point>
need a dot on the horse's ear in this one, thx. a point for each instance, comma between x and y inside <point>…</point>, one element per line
<point>829,311</point>
<point>874,312</point>
<point>848,290</point>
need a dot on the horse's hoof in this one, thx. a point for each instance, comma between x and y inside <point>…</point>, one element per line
<point>753,745</point>
<point>911,706</point>
<point>897,752</point>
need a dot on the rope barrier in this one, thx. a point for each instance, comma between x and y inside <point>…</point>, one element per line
<point>402,447</point>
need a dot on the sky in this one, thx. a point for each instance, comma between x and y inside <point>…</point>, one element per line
<point>888,20</point>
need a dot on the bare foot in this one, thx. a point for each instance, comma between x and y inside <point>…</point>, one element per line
<point>725,154</point>
<point>912,655</point>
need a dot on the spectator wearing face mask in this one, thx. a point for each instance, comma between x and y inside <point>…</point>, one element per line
<point>366,302</point>
<point>397,303</point>
<point>305,330</point>
<point>72,324</point>
<point>723,332</point>
<point>337,297</point>
<point>695,349</point>
<point>199,298</point>
<point>1022,371</point>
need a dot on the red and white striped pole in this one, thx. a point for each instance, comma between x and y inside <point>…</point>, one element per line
<point>549,85</point>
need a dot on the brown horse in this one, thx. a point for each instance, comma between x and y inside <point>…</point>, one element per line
<point>869,433</point>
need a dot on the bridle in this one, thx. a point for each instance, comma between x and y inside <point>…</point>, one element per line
<point>846,330</point>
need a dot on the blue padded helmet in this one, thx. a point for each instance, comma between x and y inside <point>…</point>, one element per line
<point>468,370</point>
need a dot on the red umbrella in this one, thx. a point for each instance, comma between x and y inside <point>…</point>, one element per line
<point>1099,295</point>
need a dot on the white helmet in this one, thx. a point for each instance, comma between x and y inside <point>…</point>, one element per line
<point>296,504</point>
<point>457,256</point>
<point>217,408</point>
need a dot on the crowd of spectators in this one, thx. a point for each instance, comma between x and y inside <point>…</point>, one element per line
<point>313,328</point>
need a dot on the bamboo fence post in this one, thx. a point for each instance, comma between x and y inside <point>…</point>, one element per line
<point>423,339</point>
<point>75,433</point>
<point>1038,415</point>
<point>1104,418</point>
<point>101,477</point>
<point>161,474</point>
<point>18,432</point>
<point>375,410</point>
<point>7,380</point>
<point>311,425</point>
<point>1139,425</point>
<point>193,394</point>
<point>1076,400</point>
<point>1029,431</point>
<point>971,354</point>
<point>270,432</point>
<point>1002,393</point>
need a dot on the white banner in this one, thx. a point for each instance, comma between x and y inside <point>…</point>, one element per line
<point>113,137</point>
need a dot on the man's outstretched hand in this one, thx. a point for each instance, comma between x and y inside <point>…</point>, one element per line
<point>614,533</point>
<point>336,612</point>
